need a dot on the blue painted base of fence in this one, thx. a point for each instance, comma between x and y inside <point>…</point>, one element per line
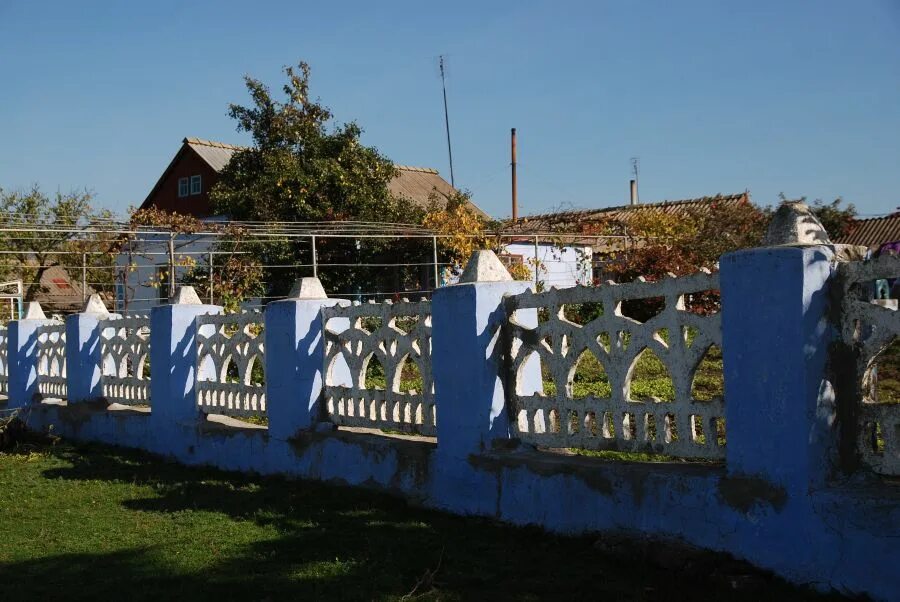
<point>844,539</point>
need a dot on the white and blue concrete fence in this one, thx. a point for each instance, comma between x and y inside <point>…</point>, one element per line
<point>779,493</point>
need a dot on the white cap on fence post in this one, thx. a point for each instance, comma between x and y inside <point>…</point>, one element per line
<point>33,311</point>
<point>186,295</point>
<point>794,224</point>
<point>485,266</point>
<point>307,288</point>
<point>95,306</point>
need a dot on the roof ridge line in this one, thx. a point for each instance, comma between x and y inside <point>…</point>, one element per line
<point>664,203</point>
<point>414,168</point>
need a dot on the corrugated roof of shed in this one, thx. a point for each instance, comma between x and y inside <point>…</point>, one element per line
<point>873,232</point>
<point>559,221</point>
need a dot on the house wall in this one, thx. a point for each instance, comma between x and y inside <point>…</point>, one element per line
<point>165,197</point>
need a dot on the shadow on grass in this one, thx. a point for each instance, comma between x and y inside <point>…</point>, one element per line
<point>329,542</point>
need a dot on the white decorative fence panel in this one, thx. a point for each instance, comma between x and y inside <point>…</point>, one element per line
<point>4,361</point>
<point>394,334</point>
<point>230,364</point>
<point>868,329</point>
<point>51,360</point>
<point>678,337</point>
<point>125,360</point>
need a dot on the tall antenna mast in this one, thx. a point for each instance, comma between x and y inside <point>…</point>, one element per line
<point>447,122</point>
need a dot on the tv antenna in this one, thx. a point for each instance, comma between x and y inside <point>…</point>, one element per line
<point>447,121</point>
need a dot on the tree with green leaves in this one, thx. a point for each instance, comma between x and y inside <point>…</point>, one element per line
<point>304,167</point>
<point>38,232</point>
<point>838,221</point>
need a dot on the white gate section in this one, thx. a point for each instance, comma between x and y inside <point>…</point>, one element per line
<point>51,360</point>
<point>395,334</point>
<point>229,348</point>
<point>679,338</point>
<point>869,328</point>
<point>125,352</point>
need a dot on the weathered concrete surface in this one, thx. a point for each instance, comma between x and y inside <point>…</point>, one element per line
<point>795,224</point>
<point>484,266</point>
<point>307,288</point>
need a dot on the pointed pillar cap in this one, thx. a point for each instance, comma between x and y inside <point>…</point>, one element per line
<point>307,288</point>
<point>95,306</point>
<point>794,224</point>
<point>33,311</point>
<point>485,266</point>
<point>185,295</point>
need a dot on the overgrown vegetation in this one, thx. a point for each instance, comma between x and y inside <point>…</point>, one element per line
<point>237,275</point>
<point>39,231</point>
<point>99,523</point>
<point>887,374</point>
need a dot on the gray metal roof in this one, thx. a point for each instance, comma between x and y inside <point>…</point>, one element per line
<point>216,154</point>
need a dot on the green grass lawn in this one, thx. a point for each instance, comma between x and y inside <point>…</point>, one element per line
<point>888,374</point>
<point>100,523</point>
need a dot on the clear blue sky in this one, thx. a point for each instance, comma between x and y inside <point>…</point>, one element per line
<point>800,97</point>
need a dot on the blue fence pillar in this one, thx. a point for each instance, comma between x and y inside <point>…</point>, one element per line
<point>775,340</point>
<point>294,357</point>
<point>83,352</point>
<point>173,357</point>
<point>23,355</point>
<point>467,357</point>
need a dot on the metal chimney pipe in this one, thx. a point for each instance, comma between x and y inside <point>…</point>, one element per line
<point>512,150</point>
<point>634,193</point>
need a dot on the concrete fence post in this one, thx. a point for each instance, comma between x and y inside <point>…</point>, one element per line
<point>294,357</point>
<point>23,355</point>
<point>173,357</point>
<point>83,351</point>
<point>776,336</point>
<point>467,357</point>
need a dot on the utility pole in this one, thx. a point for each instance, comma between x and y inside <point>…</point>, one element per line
<point>512,150</point>
<point>447,121</point>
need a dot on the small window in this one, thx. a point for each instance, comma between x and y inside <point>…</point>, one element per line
<point>510,260</point>
<point>182,187</point>
<point>195,184</point>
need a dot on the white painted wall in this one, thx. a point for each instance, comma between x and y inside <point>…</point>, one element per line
<point>134,294</point>
<point>558,266</point>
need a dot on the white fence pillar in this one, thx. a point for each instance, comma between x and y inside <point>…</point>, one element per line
<point>173,357</point>
<point>294,358</point>
<point>467,356</point>
<point>83,352</point>
<point>23,356</point>
<point>775,343</point>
